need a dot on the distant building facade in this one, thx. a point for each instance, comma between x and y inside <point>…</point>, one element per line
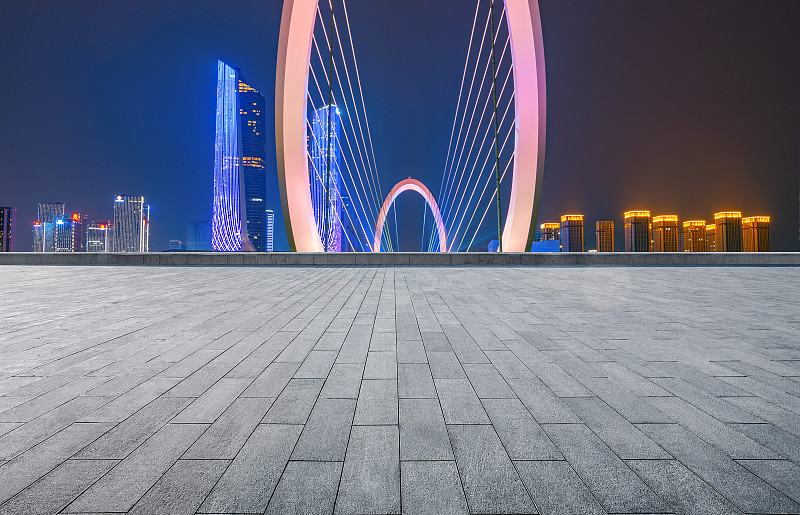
<point>44,227</point>
<point>8,217</point>
<point>270,230</point>
<point>546,246</point>
<point>637,231</point>
<point>755,234</point>
<point>571,236</point>
<point>551,231</point>
<point>665,233</point>
<point>100,237</point>
<point>322,186</point>
<point>131,224</point>
<point>711,238</point>
<point>694,236</point>
<point>604,234</point>
<point>728,233</point>
<point>175,245</point>
<point>198,235</point>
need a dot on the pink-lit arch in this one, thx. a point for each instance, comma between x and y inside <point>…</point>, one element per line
<point>294,53</point>
<point>400,187</point>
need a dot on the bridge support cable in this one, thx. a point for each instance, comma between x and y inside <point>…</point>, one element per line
<point>330,142</point>
<point>488,205</point>
<point>496,137</point>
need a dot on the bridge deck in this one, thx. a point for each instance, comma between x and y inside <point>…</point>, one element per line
<point>381,389</point>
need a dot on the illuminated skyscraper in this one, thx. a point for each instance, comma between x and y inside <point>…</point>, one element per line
<point>551,231</point>
<point>7,220</point>
<point>198,235</point>
<point>694,236</point>
<point>270,230</point>
<point>240,162</point>
<point>571,233</point>
<point>100,237</point>
<point>637,231</point>
<point>728,234</point>
<point>319,143</point>
<point>711,239</point>
<point>131,224</point>
<point>70,233</point>
<point>605,236</point>
<point>44,227</point>
<point>665,233</point>
<point>755,234</point>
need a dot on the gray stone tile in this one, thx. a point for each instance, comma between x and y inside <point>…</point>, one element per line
<point>487,381</point>
<point>294,404</point>
<point>325,435</point>
<point>200,381</point>
<point>272,380</point>
<point>635,410</point>
<point>432,487</point>
<point>411,351</point>
<point>306,488</point>
<point>371,475</point>
<point>381,365</point>
<point>460,404</point>
<point>545,407</point>
<point>556,488</point>
<point>226,436</point>
<point>343,382</point>
<point>127,482</point>
<point>182,488</point>
<point>316,365</point>
<point>717,407</point>
<point>248,483</point>
<point>213,402</point>
<point>414,380</point>
<point>522,437</point>
<point>423,435</point>
<point>617,488</point>
<point>773,438</point>
<point>781,474</point>
<point>377,402</point>
<point>491,483</point>
<point>383,341</point>
<point>445,365</point>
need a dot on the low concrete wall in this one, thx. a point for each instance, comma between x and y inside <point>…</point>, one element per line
<point>404,258</point>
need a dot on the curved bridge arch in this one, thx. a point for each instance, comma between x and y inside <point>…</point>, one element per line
<point>400,187</point>
<point>291,89</point>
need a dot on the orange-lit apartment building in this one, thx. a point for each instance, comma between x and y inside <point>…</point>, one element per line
<point>572,233</point>
<point>665,233</point>
<point>694,236</point>
<point>550,231</point>
<point>637,231</point>
<point>755,234</point>
<point>605,236</point>
<point>728,233</point>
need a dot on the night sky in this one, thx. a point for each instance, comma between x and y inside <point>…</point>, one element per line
<point>680,107</point>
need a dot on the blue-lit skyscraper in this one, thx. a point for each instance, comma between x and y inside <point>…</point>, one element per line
<point>239,219</point>
<point>270,230</point>
<point>319,166</point>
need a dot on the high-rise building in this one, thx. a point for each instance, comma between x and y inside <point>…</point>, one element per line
<point>175,245</point>
<point>571,233</point>
<point>637,231</point>
<point>322,185</point>
<point>131,224</point>
<point>694,236</point>
<point>665,233</point>
<point>605,236</point>
<point>681,239</point>
<point>551,231</point>
<point>44,227</point>
<point>8,217</point>
<point>270,230</point>
<point>729,231</point>
<point>198,235</point>
<point>755,234</point>
<point>240,165</point>
<point>70,233</point>
<point>100,237</point>
<point>711,238</point>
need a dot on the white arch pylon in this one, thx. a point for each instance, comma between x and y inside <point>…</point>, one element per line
<point>291,91</point>
<point>400,187</point>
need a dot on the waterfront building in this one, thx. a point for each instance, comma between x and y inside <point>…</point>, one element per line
<point>100,237</point>
<point>270,231</point>
<point>755,234</point>
<point>8,217</point>
<point>44,227</point>
<point>550,231</point>
<point>321,140</point>
<point>240,163</point>
<point>694,236</point>
<point>605,236</point>
<point>711,239</point>
<point>198,235</point>
<point>728,234</point>
<point>571,236</point>
<point>665,233</point>
<point>638,229</point>
<point>131,224</point>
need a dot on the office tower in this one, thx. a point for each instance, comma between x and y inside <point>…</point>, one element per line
<point>63,235</point>
<point>320,182</point>
<point>681,239</point>
<point>571,233</point>
<point>550,231</point>
<point>755,234</point>
<point>694,236</point>
<point>131,224</point>
<point>270,230</point>
<point>605,236</point>
<point>198,235</point>
<point>7,219</point>
<point>728,234</point>
<point>637,231</point>
<point>175,245</point>
<point>711,239</point>
<point>240,164</point>
<point>44,227</point>
<point>665,233</point>
<point>99,237</point>
<point>79,226</point>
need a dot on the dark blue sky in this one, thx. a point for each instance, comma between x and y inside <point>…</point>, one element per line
<point>685,107</point>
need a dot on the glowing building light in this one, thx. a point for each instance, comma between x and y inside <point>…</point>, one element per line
<point>571,233</point>
<point>319,180</point>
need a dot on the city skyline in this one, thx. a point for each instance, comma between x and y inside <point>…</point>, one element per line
<point>682,139</point>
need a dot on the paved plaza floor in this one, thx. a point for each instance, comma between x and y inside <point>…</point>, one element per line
<point>369,390</point>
